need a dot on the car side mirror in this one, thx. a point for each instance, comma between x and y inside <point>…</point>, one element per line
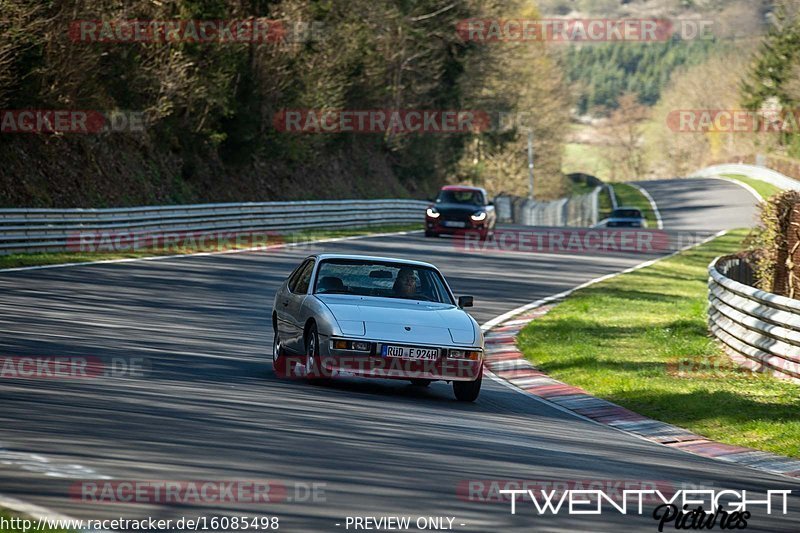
<point>465,301</point>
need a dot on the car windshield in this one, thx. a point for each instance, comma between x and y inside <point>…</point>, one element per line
<point>626,213</point>
<point>460,197</point>
<point>381,279</point>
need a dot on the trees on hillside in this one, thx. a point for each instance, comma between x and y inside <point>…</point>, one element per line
<point>602,72</point>
<point>212,101</point>
<point>523,89</point>
<point>625,127</point>
<point>773,80</point>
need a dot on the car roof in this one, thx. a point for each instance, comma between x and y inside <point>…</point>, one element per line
<point>462,188</point>
<point>384,259</point>
<point>627,208</point>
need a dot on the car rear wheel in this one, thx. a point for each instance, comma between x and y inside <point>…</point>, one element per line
<point>431,234</point>
<point>467,391</point>
<point>279,363</point>
<point>313,368</point>
<point>421,382</point>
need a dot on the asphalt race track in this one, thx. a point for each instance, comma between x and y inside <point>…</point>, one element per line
<point>209,408</point>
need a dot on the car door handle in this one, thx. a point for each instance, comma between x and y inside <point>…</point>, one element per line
<point>285,303</point>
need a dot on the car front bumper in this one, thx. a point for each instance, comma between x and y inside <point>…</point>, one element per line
<point>439,227</point>
<point>397,368</point>
<point>332,363</point>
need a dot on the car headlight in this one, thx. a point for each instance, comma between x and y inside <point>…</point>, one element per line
<point>358,346</point>
<point>464,354</point>
<point>477,217</point>
<point>432,212</point>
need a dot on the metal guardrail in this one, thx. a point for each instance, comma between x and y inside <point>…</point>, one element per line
<point>50,230</point>
<point>577,211</point>
<point>761,173</point>
<point>759,330</point>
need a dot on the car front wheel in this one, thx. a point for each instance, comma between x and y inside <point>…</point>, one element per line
<point>279,363</point>
<point>467,391</point>
<point>313,367</point>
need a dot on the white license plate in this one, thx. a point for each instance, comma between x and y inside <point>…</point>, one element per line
<point>453,224</point>
<point>410,352</point>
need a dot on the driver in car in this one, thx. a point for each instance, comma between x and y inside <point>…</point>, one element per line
<point>405,286</point>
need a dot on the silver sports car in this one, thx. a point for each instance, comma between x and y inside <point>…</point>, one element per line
<point>376,317</point>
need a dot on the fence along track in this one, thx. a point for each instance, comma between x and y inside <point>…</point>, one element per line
<point>49,230</point>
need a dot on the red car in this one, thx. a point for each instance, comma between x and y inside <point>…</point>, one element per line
<point>459,209</point>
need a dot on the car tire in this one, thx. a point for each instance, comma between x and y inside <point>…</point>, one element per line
<point>421,382</point>
<point>280,364</point>
<point>313,368</point>
<point>431,234</point>
<point>467,391</point>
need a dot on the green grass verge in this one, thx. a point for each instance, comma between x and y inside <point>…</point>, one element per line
<point>640,340</point>
<point>762,187</point>
<point>57,258</point>
<point>8,516</point>
<point>630,196</point>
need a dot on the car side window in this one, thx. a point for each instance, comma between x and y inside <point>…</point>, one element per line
<point>304,279</point>
<point>294,277</point>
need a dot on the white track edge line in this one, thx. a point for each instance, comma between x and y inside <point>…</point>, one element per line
<point>650,199</point>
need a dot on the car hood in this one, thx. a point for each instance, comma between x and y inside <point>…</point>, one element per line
<point>396,320</point>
